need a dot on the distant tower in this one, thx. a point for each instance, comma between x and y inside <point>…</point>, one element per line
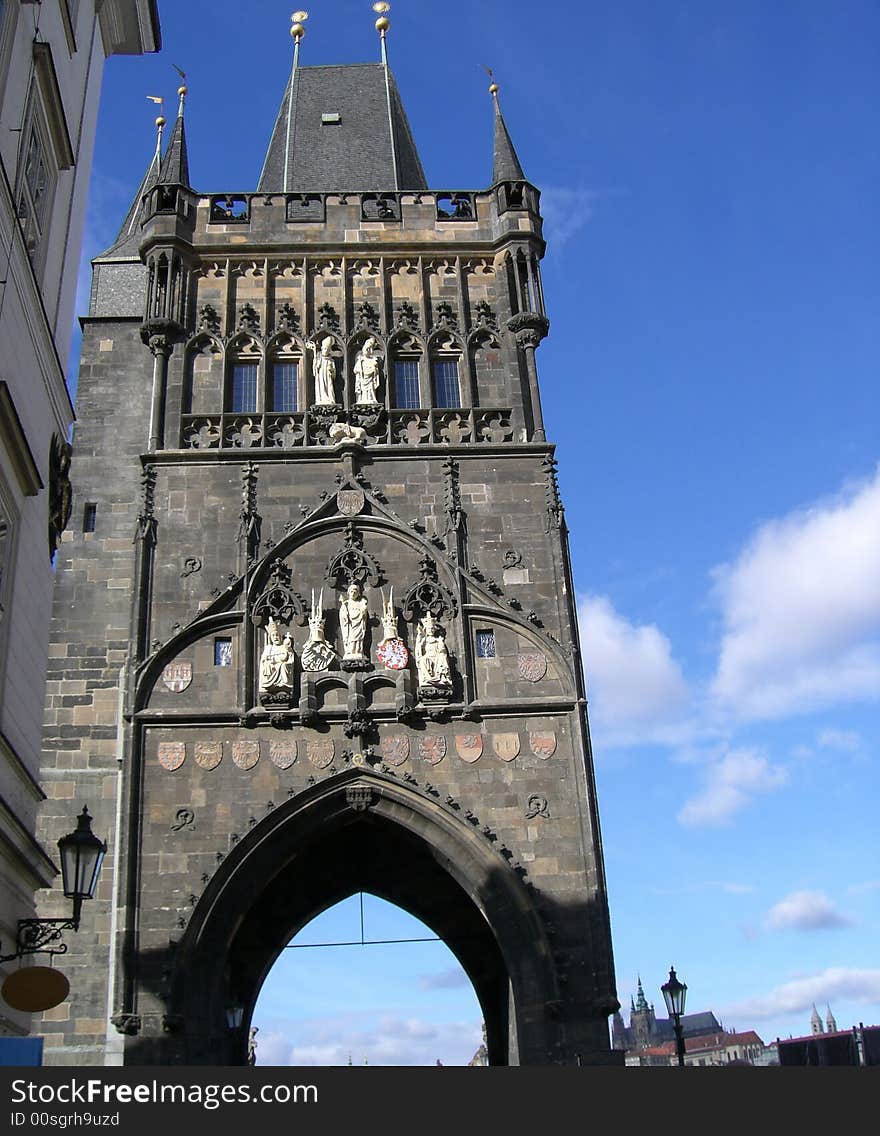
<point>643,1021</point>
<point>815,1021</point>
<point>830,1023</point>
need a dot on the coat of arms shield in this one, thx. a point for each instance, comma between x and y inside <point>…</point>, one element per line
<point>208,755</point>
<point>506,746</point>
<point>283,753</point>
<point>320,752</point>
<point>469,747</point>
<point>177,676</point>
<point>544,744</point>
<point>532,665</point>
<point>395,749</point>
<point>245,754</point>
<point>432,748</point>
<point>171,755</point>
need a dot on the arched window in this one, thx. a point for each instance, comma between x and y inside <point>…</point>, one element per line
<point>243,377</point>
<point>404,385</point>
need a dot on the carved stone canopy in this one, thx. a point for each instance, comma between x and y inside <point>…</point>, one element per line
<point>351,564</point>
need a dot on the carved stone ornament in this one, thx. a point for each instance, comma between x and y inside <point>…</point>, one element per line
<point>208,755</point>
<point>171,755</point>
<point>320,752</point>
<point>506,746</point>
<point>317,654</point>
<point>185,818</point>
<point>395,749</point>
<point>359,797</point>
<point>432,748</point>
<point>469,747</point>
<point>350,502</point>
<point>127,1023</point>
<point>537,807</point>
<point>283,753</point>
<point>177,676</point>
<point>245,754</point>
<point>543,745</point>
<point>532,665</point>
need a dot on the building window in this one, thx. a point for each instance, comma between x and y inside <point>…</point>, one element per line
<point>485,644</point>
<point>244,388</point>
<point>446,390</point>
<point>90,517</point>
<point>35,192</point>
<point>406,384</point>
<point>222,652</point>
<point>285,379</point>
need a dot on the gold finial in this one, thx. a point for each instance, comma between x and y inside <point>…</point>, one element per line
<point>297,20</point>
<point>383,23</point>
<point>182,90</point>
<point>493,86</point>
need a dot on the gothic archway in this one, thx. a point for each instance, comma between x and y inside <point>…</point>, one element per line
<point>364,831</point>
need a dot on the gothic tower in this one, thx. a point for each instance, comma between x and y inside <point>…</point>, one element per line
<point>332,646</point>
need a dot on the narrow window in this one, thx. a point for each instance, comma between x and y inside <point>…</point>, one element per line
<point>33,198</point>
<point>285,377</point>
<point>244,388</point>
<point>446,392</point>
<point>406,384</point>
<point>485,644</point>
<point>222,652</point>
<point>90,516</point>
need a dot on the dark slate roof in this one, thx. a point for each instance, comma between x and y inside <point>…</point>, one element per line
<point>359,152</point>
<point>175,164</point>
<point>129,237</point>
<point>506,166</point>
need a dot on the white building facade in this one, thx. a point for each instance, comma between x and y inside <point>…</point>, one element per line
<point>51,62</point>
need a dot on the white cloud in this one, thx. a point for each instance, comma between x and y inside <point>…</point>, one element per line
<point>847,741</point>
<point>833,984</point>
<point>805,911</point>
<point>730,784</point>
<point>635,686</point>
<point>377,1039</point>
<point>565,211</point>
<point>801,610</point>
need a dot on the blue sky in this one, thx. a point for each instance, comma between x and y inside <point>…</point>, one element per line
<point>710,178</point>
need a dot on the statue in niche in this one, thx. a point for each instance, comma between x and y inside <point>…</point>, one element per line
<point>432,658</point>
<point>367,374</point>
<point>353,616</point>
<point>276,663</point>
<point>317,654</point>
<point>391,652</point>
<point>324,373</point>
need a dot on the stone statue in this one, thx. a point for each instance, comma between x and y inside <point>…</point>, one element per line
<point>276,661</point>
<point>252,1045</point>
<point>317,654</point>
<point>367,374</point>
<point>391,652</point>
<point>353,616</point>
<point>324,373</point>
<point>343,432</point>
<point>432,658</point>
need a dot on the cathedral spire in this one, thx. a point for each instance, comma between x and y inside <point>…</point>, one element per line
<point>175,164</point>
<point>506,165</point>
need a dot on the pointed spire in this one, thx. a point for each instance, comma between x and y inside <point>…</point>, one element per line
<point>175,165</point>
<point>506,165</point>
<point>815,1021</point>
<point>641,1000</point>
<point>830,1023</point>
<point>130,232</point>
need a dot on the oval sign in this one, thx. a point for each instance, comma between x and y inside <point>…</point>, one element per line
<point>35,988</point>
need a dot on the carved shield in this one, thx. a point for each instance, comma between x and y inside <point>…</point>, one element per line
<point>432,748</point>
<point>469,747</point>
<point>349,502</point>
<point>392,653</point>
<point>506,746</point>
<point>532,666</point>
<point>283,753</point>
<point>208,754</point>
<point>543,745</point>
<point>172,755</point>
<point>245,754</point>
<point>395,749</point>
<point>320,752</point>
<point>177,676</point>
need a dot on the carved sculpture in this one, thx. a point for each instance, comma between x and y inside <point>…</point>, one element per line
<point>343,432</point>
<point>276,665</point>
<point>324,373</point>
<point>367,374</point>
<point>391,652</point>
<point>317,654</point>
<point>353,616</point>
<point>432,659</point>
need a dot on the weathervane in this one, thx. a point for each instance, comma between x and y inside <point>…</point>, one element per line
<point>182,89</point>
<point>160,121</point>
<point>493,86</point>
<point>382,24</point>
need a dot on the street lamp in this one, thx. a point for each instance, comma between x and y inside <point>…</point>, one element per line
<point>674,994</point>
<point>82,854</point>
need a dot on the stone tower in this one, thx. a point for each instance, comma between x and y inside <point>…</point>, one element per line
<point>315,630</point>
